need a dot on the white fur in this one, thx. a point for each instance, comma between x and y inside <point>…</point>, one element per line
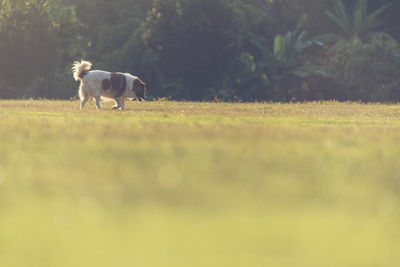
<point>91,85</point>
<point>79,67</point>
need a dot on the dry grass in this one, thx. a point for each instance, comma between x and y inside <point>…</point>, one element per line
<point>199,184</point>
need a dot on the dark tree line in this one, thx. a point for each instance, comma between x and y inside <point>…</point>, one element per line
<point>233,50</point>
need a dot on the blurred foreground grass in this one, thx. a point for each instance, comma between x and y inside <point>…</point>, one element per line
<point>199,184</point>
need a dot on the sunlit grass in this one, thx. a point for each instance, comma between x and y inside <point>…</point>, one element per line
<point>199,184</point>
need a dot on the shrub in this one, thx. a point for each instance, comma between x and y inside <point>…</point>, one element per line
<point>369,70</point>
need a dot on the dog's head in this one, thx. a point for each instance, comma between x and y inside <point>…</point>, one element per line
<point>139,87</point>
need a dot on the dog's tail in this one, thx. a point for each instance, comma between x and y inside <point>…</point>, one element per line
<point>80,69</point>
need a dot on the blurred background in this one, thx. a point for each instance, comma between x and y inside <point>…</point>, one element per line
<point>234,50</point>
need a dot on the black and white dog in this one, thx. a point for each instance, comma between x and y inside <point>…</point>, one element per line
<point>115,85</point>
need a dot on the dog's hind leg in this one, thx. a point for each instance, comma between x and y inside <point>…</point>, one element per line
<point>98,102</point>
<point>83,102</point>
<point>117,102</point>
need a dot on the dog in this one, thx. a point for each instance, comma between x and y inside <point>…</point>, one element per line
<point>115,85</point>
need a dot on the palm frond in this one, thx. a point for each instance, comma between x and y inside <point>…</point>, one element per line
<point>361,24</point>
<point>379,11</point>
<point>358,18</point>
<point>302,42</point>
<point>340,11</point>
<point>361,6</point>
<point>374,15</point>
<point>261,46</point>
<point>372,21</point>
<point>340,23</point>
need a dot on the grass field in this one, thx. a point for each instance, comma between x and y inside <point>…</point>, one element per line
<point>199,184</point>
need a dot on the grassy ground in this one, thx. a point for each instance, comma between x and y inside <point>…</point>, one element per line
<point>199,184</point>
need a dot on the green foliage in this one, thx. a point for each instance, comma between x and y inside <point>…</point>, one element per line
<point>235,50</point>
<point>360,24</point>
<point>276,74</point>
<point>363,63</point>
<point>200,44</point>
<point>28,43</point>
<point>368,70</point>
<point>279,48</point>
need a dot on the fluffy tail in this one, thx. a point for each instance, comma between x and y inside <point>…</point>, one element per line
<point>80,69</point>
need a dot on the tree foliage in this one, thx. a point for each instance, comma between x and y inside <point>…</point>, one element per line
<point>27,34</point>
<point>240,50</point>
<point>195,41</point>
<point>367,70</point>
<point>356,24</point>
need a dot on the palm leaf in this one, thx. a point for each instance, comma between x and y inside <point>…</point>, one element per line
<point>340,11</point>
<point>361,6</point>
<point>302,42</point>
<point>260,45</point>
<point>340,23</point>
<point>379,11</point>
<point>371,22</point>
<point>280,49</point>
<point>359,13</point>
<point>374,15</point>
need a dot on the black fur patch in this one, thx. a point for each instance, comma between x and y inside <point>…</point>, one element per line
<point>118,84</point>
<point>105,84</point>
<point>139,87</point>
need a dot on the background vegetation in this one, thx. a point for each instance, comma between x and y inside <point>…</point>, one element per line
<point>237,50</point>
